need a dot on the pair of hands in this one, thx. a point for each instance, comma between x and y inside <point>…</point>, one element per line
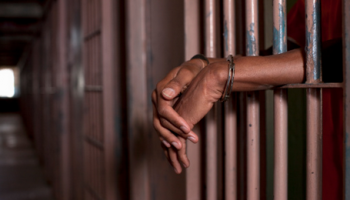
<point>181,100</point>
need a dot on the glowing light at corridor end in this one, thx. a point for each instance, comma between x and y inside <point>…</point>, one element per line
<point>7,83</point>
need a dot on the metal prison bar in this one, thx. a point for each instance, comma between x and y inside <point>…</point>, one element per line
<point>314,115</point>
<point>280,105</point>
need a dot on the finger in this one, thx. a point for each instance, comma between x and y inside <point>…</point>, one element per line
<point>178,83</point>
<point>166,111</point>
<point>164,142</point>
<point>182,154</point>
<point>174,116</point>
<point>174,160</point>
<point>165,133</point>
<point>191,135</point>
<point>160,85</point>
<point>165,149</point>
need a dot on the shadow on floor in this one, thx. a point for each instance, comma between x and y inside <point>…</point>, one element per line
<point>21,176</point>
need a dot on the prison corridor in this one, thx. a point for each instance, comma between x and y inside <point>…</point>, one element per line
<point>21,175</point>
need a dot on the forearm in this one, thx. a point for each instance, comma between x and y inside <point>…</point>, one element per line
<point>263,72</point>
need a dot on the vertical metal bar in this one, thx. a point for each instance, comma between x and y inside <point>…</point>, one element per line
<point>346,90</point>
<point>313,75</point>
<point>108,59</point>
<point>280,106</point>
<point>62,84</point>
<point>211,127</point>
<point>192,47</point>
<point>230,107</point>
<point>253,110</point>
<point>137,98</point>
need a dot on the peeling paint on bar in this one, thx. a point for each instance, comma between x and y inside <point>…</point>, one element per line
<point>314,114</point>
<point>253,106</point>
<point>279,33</point>
<point>313,41</point>
<point>226,36</point>
<point>251,41</point>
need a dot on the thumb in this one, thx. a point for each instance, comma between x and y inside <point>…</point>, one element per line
<point>177,84</point>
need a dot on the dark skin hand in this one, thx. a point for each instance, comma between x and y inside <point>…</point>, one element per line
<point>203,85</point>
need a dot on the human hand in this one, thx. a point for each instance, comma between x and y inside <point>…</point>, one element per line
<point>175,156</point>
<point>205,89</point>
<point>165,120</point>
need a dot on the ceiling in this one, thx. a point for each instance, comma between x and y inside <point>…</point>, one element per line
<point>19,23</point>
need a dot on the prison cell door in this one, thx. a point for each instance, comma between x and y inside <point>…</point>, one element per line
<point>98,112</point>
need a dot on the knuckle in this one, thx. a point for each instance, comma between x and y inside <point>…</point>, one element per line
<point>175,83</point>
<point>162,111</point>
<point>186,71</point>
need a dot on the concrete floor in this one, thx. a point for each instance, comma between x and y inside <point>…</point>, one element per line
<point>21,176</point>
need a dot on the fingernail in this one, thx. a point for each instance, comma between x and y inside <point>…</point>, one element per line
<point>175,170</point>
<point>176,145</point>
<point>184,165</point>
<point>192,139</point>
<point>166,143</point>
<point>185,129</point>
<point>168,92</point>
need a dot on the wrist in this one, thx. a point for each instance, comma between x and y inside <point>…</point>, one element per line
<point>217,74</point>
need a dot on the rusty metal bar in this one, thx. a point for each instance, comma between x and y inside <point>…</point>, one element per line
<point>280,106</point>
<point>346,90</point>
<point>253,107</point>
<point>230,107</point>
<point>192,47</point>
<point>313,75</point>
<point>211,126</point>
<point>137,97</point>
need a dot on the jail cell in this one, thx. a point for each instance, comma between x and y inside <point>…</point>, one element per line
<point>96,141</point>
